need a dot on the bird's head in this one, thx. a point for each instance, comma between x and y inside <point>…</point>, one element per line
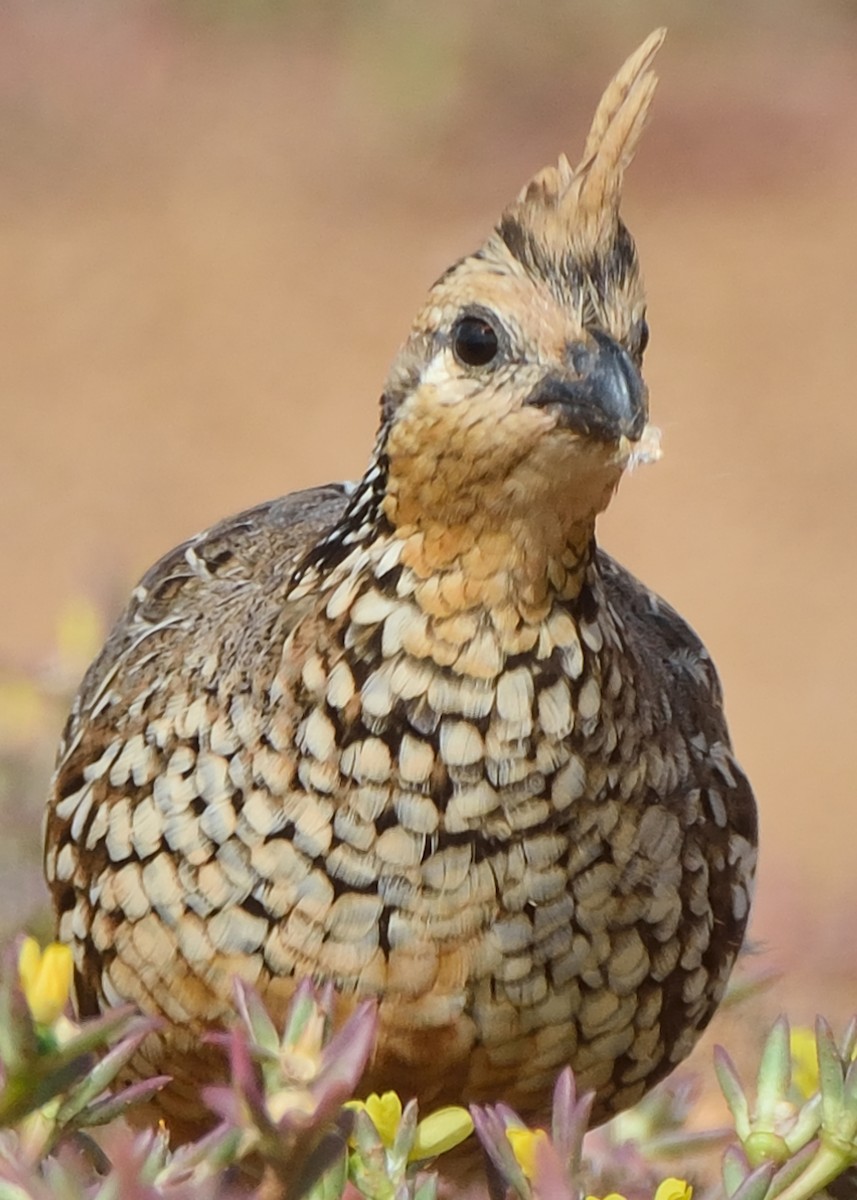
<point>518,396</point>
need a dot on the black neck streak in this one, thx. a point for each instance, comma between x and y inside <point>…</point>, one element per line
<point>362,523</point>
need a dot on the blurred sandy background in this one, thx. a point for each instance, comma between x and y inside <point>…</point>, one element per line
<point>216,220</point>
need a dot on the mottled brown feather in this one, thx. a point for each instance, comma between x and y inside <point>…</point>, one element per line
<point>419,736</point>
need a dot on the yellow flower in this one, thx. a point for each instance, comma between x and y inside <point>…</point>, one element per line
<point>611,1196</point>
<point>674,1189</point>
<point>524,1143</point>
<point>385,1112</point>
<point>804,1060</point>
<point>46,979</point>
<point>434,1135</point>
<point>804,1053</point>
<point>440,1131</point>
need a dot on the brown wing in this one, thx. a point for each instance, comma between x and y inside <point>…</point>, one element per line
<point>201,636</point>
<point>719,814</point>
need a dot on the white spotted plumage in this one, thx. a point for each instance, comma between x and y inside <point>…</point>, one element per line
<point>419,736</point>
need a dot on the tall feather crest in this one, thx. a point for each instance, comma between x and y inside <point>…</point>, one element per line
<point>579,206</point>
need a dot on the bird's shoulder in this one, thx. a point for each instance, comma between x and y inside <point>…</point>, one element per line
<point>212,602</point>
<point>672,658</point>
<point>252,551</point>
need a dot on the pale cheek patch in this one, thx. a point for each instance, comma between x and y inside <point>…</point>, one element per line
<point>444,385</point>
<point>448,386</point>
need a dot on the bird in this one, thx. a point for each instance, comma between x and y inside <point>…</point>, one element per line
<point>419,736</point>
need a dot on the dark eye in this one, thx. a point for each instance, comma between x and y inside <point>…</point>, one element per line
<point>474,342</point>
<point>643,339</point>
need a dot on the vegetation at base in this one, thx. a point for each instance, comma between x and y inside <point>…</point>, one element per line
<point>287,1122</point>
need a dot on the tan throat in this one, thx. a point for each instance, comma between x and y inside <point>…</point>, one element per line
<point>522,540</point>
<point>523,568</point>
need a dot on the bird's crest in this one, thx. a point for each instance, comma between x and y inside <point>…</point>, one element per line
<point>565,206</point>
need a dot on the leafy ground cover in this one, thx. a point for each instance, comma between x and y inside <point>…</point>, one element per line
<point>287,1123</point>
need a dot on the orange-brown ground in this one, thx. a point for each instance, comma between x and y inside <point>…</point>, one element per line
<point>213,234</point>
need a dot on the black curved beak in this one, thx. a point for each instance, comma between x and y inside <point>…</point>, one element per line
<point>605,397</point>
